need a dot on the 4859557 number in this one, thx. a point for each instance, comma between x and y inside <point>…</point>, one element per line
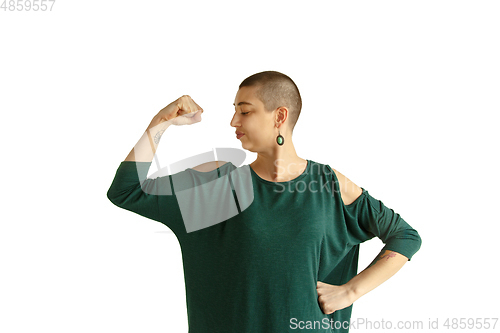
<point>470,323</point>
<point>27,5</point>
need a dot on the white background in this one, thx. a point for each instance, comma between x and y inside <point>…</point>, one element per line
<point>399,96</point>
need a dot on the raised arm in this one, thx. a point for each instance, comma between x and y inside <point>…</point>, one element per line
<point>145,148</point>
<point>132,190</point>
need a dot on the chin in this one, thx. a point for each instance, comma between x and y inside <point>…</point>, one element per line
<point>243,145</point>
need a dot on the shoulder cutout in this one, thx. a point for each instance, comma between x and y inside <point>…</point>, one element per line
<point>348,190</point>
<point>209,166</point>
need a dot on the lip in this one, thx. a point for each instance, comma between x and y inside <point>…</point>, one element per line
<point>239,134</point>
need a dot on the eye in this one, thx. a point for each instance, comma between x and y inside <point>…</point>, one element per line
<point>245,112</point>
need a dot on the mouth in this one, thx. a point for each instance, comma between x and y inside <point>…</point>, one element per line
<point>239,135</point>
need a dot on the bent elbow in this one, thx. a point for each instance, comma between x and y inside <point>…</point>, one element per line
<point>114,198</point>
<point>414,241</point>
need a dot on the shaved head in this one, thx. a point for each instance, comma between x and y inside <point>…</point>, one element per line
<point>276,89</point>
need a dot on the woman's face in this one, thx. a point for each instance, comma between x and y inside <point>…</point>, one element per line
<point>251,118</point>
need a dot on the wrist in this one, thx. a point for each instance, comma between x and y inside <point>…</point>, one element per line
<point>158,123</point>
<point>352,291</point>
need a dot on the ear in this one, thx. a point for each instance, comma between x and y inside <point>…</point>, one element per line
<point>281,114</point>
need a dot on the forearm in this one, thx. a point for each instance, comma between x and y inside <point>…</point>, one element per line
<point>384,266</point>
<point>145,148</point>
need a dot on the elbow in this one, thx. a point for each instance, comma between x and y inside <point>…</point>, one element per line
<point>419,241</point>
<point>113,197</point>
<point>415,242</point>
<point>407,242</point>
<point>415,238</point>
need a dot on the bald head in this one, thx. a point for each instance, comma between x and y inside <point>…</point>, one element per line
<point>276,90</point>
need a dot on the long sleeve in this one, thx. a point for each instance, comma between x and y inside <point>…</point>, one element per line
<point>354,224</point>
<point>151,198</point>
<point>367,217</point>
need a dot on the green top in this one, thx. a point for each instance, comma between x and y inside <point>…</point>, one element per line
<point>253,250</point>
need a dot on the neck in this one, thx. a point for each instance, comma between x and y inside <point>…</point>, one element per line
<point>280,163</point>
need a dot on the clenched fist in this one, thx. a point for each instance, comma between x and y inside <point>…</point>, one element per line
<point>183,111</point>
<point>332,298</point>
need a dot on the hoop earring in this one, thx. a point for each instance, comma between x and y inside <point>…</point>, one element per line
<point>280,139</point>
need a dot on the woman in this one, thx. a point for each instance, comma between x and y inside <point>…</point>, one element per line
<point>276,251</point>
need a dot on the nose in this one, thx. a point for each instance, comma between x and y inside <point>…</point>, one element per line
<point>234,121</point>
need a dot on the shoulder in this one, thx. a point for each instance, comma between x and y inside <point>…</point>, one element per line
<point>209,166</point>
<point>348,190</point>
